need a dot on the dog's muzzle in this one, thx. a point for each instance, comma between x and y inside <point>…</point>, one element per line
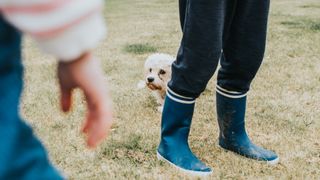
<point>153,86</point>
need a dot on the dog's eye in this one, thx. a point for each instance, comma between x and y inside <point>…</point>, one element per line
<point>150,70</point>
<point>162,72</point>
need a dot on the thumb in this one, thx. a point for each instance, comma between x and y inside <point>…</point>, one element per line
<point>66,99</point>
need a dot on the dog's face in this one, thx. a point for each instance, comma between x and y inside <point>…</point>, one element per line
<point>158,71</point>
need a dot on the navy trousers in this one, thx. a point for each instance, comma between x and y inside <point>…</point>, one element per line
<point>21,154</point>
<point>233,31</point>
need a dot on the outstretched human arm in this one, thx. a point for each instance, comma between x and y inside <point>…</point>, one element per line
<point>69,30</point>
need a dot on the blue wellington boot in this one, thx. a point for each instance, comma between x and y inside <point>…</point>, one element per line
<point>175,128</point>
<point>231,107</point>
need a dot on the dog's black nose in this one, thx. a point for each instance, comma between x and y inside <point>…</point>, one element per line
<point>150,79</point>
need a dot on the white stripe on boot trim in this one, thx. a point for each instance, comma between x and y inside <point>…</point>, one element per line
<point>225,90</point>
<point>179,100</point>
<point>230,96</point>
<point>178,95</point>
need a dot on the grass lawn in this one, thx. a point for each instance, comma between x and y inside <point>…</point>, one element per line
<point>283,104</point>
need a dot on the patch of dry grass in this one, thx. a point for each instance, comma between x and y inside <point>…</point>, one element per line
<point>283,108</point>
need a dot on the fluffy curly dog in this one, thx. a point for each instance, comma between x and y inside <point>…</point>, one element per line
<point>157,75</point>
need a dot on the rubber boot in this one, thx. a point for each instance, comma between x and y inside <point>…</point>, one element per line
<point>175,127</point>
<point>231,107</point>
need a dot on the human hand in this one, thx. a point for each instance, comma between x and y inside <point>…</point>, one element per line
<point>85,73</point>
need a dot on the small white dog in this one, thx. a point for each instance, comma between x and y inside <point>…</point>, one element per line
<point>157,75</point>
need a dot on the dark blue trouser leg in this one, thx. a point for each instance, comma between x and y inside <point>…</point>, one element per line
<point>243,44</point>
<point>200,47</point>
<point>182,12</point>
<point>22,156</point>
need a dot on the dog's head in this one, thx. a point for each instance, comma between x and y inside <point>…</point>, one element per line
<point>158,71</point>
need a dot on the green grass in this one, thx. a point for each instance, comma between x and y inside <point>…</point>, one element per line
<point>312,6</point>
<point>139,48</point>
<point>283,104</point>
<point>315,26</point>
<point>305,24</point>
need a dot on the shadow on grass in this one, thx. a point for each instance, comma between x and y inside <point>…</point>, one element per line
<point>139,48</point>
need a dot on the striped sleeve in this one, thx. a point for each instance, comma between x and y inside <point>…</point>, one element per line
<point>63,28</point>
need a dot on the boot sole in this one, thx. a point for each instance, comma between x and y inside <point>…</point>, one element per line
<point>189,172</point>
<point>272,162</point>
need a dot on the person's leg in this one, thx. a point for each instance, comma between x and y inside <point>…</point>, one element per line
<point>243,51</point>
<point>21,155</point>
<point>196,62</point>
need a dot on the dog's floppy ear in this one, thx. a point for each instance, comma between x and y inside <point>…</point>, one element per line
<point>141,84</point>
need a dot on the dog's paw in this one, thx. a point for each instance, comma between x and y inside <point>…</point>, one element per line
<point>160,109</point>
<point>141,84</point>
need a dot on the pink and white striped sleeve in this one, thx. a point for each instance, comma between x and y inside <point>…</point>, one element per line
<point>63,28</point>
